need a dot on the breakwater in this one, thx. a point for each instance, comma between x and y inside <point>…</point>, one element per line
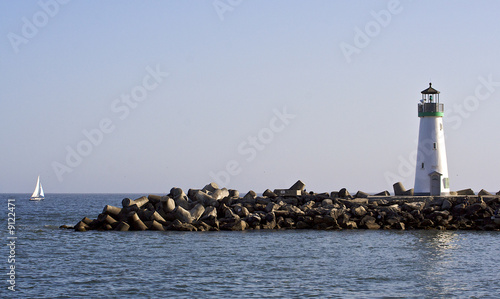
<point>212,208</point>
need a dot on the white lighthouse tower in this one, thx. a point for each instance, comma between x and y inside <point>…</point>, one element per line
<point>431,175</point>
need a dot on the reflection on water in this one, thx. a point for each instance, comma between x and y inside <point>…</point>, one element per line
<point>448,261</point>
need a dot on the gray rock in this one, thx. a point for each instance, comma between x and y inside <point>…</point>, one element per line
<point>206,199</point>
<point>359,211</point>
<point>220,194</point>
<point>410,206</point>
<point>182,202</point>
<point>372,226</point>
<point>263,200</point>
<point>139,202</point>
<point>409,192</point>
<point>238,225</point>
<point>327,202</point>
<point>291,200</point>
<point>176,193</point>
<point>343,193</point>
<point>399,189</point>
<point>269,193</point>
<point>210,211</point>
<point>167,204</point>
<point>446,205</point>
<point>272,206</point>
<point>361,194</point>
<point>465,192</point>
<point>183,215</point>
<point>293,210</point>
<point>111,210</point>
<point>197,212</point>
<point>367,220</point>
<point>250,194</point>
<point>484,192</point>
<point>210,187</point>
<point>241,211</point>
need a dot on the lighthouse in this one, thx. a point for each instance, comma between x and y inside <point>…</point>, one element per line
<point>431,174</point>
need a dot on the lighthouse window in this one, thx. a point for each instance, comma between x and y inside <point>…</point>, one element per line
<point>422,165</point>
<point>440,127</point>
<point>435,145</point>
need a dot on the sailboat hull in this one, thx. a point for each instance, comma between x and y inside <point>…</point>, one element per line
<point>36,198</point>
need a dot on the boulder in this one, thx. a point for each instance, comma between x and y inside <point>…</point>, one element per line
<point>372,226</point>
<point>105,218</point>
<point>137,223</point>
<point>167,204</point>
<point>383,193</point>
<point>327,202</point>
<point>409,192</point>
<point>269,193</point>
<point>209,212</point>
<point>361,194</point>
<point>220,194</point>
<point>154,199</point>
<point>399,225</point>
<point>122,226</point>
<point>156,216</point>
<point>446,205</point>
<point>343,193</point>
<point>181,201</point>
<point>210,187</point>
<point>139,202</point>
<point>272,207</point>
<point>359,211</point>
<point>196,212</point>
<point>81,227</point>
<point>178,225</point>
<point>367,220</point>
<point>183,215</point>
<point>399,189</point>
<point>262,200</point>
<point>484,192</point>
<point>294,211</point>
<point>238,225</point>
<point>241,211</point>
<point>111,210</point>
<point>465,192</point>
<point>410,206</point>
<point>155,225</point>
<point>205,199</point>
<point>250,194</point>
<point>350,225</point>
<point>291,200</point>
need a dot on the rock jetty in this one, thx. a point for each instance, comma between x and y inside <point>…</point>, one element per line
<point>212,208</point>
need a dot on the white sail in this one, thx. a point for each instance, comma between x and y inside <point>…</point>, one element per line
<point>41,191</point>
<point>38,189</point>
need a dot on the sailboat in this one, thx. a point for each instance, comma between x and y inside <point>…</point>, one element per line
<point>38,193</point>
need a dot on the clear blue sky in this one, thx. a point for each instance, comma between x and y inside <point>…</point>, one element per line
<point>142,96</point>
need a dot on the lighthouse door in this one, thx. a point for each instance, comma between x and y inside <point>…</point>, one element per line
<point>436,184</point>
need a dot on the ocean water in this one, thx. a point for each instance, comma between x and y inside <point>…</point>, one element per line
<point>59,263</point>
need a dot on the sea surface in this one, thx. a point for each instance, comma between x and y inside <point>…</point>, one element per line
<point>58,263</point>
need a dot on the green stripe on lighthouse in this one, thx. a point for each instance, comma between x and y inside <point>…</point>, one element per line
<point>422,114</point>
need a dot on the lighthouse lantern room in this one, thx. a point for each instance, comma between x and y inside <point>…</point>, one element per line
<point>431,175</point>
